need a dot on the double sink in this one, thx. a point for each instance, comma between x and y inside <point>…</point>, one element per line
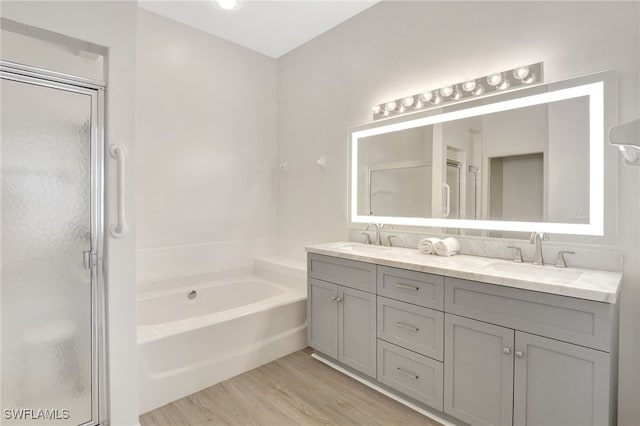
<point>497,266</point>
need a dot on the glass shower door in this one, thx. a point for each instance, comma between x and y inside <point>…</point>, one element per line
<point>48,278</point>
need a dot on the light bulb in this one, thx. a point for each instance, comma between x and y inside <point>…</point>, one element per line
<point>390,106</point>
<point>377,109</point>
<point>446,91</point>
<point>479,90</point>
<point>494,79</point>
<point>228,4</point>
<point>469,86</point>
<point>426,96</point>
<point>408,101</point>
<point>521,73</point>
<point>530,78</point>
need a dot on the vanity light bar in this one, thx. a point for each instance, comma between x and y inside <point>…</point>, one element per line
<point>483,86</point>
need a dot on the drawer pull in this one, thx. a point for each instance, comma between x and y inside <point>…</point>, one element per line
<point>407,287</point>
<point>407,326</point>
<point>406,373</point>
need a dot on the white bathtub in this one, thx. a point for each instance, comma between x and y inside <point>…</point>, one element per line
<point>233,325</point>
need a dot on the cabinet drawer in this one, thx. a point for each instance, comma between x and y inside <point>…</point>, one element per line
<point>412,327</point>
<point>415,375</point>
<point>350,273</point>
<point>414,287</point>
<point>578,321</point>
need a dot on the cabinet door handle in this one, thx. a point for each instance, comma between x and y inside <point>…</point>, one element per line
<point>519,354</point>
<point>406,373</point>
<point>506,351</point>
<point>407,287</point>
<point>338,299</point>
<point>334,297</point>
<point>406,326</point>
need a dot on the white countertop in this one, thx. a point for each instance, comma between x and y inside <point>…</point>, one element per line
<point>590,284</point>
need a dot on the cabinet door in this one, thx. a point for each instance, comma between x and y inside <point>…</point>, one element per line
<point>357,330</point>
<point>558,383</point>
<point>322,314</point>
<point>478,371</point>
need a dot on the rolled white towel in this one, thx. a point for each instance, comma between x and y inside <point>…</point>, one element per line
<point>447,247</point>
<point>426,245</point>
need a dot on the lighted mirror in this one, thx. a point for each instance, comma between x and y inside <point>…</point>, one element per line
<point>530,160</point>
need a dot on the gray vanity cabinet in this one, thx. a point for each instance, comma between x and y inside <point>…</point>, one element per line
<point>557,383</point>
<point>478,371</point>
<point>342,311</point>
<point>322,310</point>
<point>482,353</point>
<point>357,329</point>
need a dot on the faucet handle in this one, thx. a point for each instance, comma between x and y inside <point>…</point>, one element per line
<point>389,237</point>
<point>367,238</point>
<point>518,257</point>
<point>560,260</point>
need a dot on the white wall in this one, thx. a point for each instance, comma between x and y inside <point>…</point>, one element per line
<point>206,142</point>
<point>112,25</point>
<point>400,48</point>
<point>22,49</point>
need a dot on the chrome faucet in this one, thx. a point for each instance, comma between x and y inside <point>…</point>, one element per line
<point>377,240</point>
<point>386,241</point>
<point>537,238</point>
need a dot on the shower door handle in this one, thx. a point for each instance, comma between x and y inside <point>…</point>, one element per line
<point>89,259</point>
<point>447,204</point>
<point>119,152</point>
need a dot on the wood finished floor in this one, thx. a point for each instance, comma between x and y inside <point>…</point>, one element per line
<point>293,390</point>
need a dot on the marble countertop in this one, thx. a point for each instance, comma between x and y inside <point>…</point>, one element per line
<point>590,284</point>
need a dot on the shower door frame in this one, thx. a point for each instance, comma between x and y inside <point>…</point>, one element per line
<point>96,91</point>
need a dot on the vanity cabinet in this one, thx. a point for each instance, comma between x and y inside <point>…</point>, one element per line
<point>495,374</point>
<point>484,354</point>
<point>478,371</point>
<point>558,383</point>
<point>341,314</point>
<point>531,379</point>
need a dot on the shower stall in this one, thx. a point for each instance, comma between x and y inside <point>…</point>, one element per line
<point>51,280</point>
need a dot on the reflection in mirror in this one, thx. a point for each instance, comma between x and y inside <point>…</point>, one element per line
<point>529,163</point>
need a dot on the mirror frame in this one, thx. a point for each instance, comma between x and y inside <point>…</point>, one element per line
<point>595,86</point>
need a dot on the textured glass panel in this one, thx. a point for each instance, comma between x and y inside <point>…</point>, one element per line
<point>46,223</point>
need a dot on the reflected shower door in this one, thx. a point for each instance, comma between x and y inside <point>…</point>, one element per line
<point>48,319</point>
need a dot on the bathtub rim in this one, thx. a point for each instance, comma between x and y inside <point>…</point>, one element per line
<point>152,332</point>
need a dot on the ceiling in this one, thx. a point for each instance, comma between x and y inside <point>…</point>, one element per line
<point>272,28</point>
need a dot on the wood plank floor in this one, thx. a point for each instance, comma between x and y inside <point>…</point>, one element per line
<point>293,390</point>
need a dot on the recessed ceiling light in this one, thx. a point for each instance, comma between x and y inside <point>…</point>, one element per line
<point>228,4</point>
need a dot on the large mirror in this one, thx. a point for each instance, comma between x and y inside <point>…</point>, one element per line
<point>528,160</point>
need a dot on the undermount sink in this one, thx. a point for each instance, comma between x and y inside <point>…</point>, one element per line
<point>363,248</point>
<point>537,270</point>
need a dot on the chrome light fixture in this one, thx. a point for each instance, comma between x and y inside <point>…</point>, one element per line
<point>514,78</point>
